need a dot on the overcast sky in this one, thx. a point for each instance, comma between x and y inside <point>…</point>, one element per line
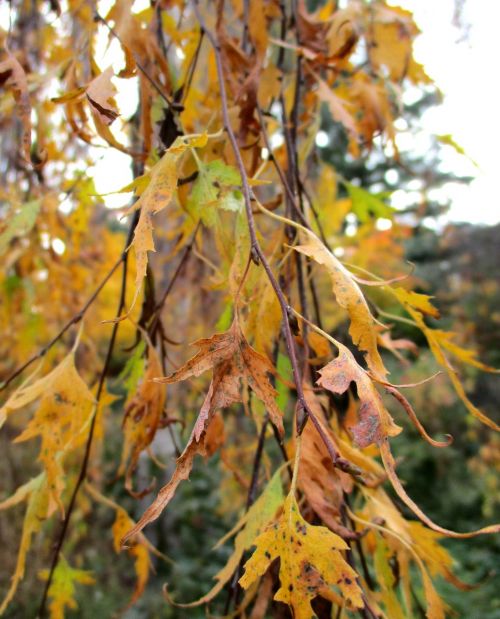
<point>465,70</point>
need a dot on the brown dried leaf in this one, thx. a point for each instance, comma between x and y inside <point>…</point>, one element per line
<point>100,93</point>
<point>12,75</point>
<point>233,361</point>
<point>374,421</point>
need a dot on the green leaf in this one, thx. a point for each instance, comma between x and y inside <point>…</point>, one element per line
<point>366,205</point>
<point>20,224</point>
<point>215,188</point>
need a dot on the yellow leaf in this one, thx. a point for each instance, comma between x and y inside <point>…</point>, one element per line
<point>249,526</point>
<point>311,563</point>
<point>61,420</point>
<point>338,107</point>
<point>139,549</point>
<point>62,588</point>
<point>154,198</point>
<point>36,495</point>
<point>421,302</point>
<point>350,297</point>
<point>143,413</point>
<point>439,340</point>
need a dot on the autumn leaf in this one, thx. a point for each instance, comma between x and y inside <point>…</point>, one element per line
<point>311,563</point>
<point>235,364</point>
<point>100,93</point>
<point>339,108</point>
<point>416,300</point>
<point>20,223</point>
<point>374,421</point>
<point>321,482</point>
<point>62,589</point>
<point>366,204</point>
<point>140,549</point>
<point>154,198</point>
<point>61,420</point>
<point>390,467</point>
<point>214,188</point>
<point>350,297</point>
<point>143,414</point>
<point>35,494</point>
<point>12,75</point>
<point>439,342</point>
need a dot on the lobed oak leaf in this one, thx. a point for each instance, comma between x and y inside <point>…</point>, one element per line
<point>374,421</point>
<point>311,563</point>
<point>350,297</point>
<point>62,588</point>
<point>233,362</point>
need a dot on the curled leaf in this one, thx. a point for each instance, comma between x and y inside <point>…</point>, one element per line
<point>350,297</point>
<point>374,423</point>
<point>233,362</point>
<point>12,75</point>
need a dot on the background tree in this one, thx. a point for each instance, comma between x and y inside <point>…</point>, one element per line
<point>250,220</point>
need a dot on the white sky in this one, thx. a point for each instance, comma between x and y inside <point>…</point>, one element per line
<point>467,74</point>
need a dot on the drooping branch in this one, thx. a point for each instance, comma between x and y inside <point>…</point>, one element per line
<point>258,256</point>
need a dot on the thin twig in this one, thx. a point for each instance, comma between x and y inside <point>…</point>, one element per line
<point>72,321</point>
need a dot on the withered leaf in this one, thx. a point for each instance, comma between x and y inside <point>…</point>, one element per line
<point>234,363</point>
<point>374,421</point>
<point>350,297</point>
<point>12,75</point>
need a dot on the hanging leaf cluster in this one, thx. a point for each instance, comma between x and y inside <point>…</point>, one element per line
<point>231,234</point>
